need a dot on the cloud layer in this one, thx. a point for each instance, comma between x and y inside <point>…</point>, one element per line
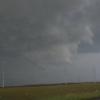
<point>44,31</point>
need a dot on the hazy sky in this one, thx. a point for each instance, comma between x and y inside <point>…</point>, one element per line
<point>43,37</point>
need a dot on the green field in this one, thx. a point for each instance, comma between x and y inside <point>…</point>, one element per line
<point>86,91</point>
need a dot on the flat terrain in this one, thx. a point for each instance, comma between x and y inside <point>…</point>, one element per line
<point>83,91</point>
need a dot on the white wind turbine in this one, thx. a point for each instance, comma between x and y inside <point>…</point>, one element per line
<point>3,75</point>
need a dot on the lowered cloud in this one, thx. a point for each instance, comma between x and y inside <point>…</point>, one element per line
<point>44,31</point>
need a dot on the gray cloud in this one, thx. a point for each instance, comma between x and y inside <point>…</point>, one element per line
<point>49,23</point>
<point>44,33</point>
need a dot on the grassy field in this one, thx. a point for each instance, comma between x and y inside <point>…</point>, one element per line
<point>86,91</point>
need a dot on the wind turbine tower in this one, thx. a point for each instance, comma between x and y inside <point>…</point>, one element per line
<point>3,79</point>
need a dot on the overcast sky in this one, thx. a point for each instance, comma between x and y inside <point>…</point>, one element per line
<point>43,37</point>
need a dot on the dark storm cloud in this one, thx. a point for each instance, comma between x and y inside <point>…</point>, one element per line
<point>43,25</point>
<point>43,32</point>
<point>95,20</point>
<point>36,7</point>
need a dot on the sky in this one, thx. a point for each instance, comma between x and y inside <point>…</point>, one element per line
<point>43,41</point>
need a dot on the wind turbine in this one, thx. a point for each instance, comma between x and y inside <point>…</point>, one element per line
<point>3,79</point>
<point>3,76</point>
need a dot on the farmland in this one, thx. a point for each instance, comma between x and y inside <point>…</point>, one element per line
<point>83,91</point>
